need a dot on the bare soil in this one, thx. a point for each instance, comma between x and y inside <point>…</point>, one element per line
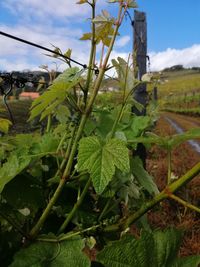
<point>170,213</point>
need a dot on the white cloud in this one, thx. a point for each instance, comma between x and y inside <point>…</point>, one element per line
<point>188,57</point>
<point>37,8</point>
<point>17,65</point>
<point>124,40</point>
<point>50,9</point>
<point>44,23</point>
<point>63,38</point>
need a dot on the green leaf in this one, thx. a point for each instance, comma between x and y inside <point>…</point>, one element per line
<point>11,168</point>
<point>120,135</point>
<point>101,159</point>
<point>41,83</point>
<point>180,138</point>
<point>166,247</point>
<point>27,148</point>
<point>68,53</point>
<point>62,114</point>
<point>125,74</point>
<point>167,142</point>
<point>137,127</point>
<point>90,127</point>
<point>86,36</point>
<point>43,145</point>
<point>4,125</point>
<point>104,28</point>
<point>140,124</point>
<point>147,77</point>
<point>29,194</point>
<point>131,4</point>
<point>56,93</point>
<point>104,123</point>
<point>128,252</point>
<point>104,18</point>
<point>157,249</point>
<point>65,254</point>
<point>190,261</point>
<point>143,177</point>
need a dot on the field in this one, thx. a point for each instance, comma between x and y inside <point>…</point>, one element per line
<point>179,91</point>
<point>179,82</point>
<point>20,113</point>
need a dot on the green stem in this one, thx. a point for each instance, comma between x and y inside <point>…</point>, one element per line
<point>118,118</point>
<point>75,208</point>
<point>167,192</point>
<point>48,124</point>
<point>43,154</point>
<point>185,203</point>
<point>126,76</point>
<point>103,69</point>
<point>117,121</point>
<point>69,235</point>
<point>91,62</point>
<point>169,160</point>
<point>35,230</point>
<point>91,101</point>
<point>77,177</point>
<point>124,224</point>
<point>104,209</point>
<point>102,54</point>
<point>61,142</point>
<point>66,156</point>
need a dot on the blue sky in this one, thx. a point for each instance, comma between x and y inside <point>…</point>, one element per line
<point>173,31</point>
<point>172,23</point>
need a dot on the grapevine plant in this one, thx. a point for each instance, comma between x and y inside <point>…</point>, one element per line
<point>70,195</point>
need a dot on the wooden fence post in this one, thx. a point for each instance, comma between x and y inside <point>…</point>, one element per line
<point>140,58</point>
<point>140,67</point>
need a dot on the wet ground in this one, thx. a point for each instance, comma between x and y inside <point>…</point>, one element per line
<point>181,124</point>
<point>185,122</point>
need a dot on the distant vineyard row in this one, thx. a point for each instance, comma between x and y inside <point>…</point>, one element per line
<point>184,104</point>
<point>189,111</point>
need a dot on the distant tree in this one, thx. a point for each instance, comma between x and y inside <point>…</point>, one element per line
<point>174,68</point>
<point>196,68</point>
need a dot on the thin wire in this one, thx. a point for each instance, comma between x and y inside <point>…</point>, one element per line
<point>41,47</point>
<point>108,76</point>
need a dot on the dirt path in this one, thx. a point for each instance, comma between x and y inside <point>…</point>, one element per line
<point>182,123</point>
<point>185,122</point>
